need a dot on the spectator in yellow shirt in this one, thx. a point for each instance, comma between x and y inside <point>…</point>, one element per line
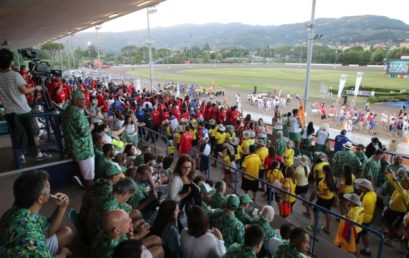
<point>346,185</point>
<point>274,177</point>
<point>247,141</point>
<point>397,205</point>
<point>219,138</point>
<point>326,197</point>
<point>289,155</point>
<point>368,199</point>
<point>262,152</point>
<point>347,233</point>
<point>289,186</point>
<point>251,165</point>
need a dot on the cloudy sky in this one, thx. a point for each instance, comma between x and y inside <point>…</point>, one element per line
<point>255,12</point>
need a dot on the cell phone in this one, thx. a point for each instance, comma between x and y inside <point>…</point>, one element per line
<point>255,212</point>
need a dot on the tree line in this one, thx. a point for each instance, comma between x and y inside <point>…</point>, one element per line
<point>57,54</point>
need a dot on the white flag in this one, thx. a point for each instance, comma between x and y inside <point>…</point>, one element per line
<point>177,90</point>
<point>342,81</point>
<point>358,82</point>
<point>138,84</point>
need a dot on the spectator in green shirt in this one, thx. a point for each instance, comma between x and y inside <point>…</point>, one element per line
<point>253,243</point>
<point>77,135</point>
<point>232,229</point>
<point>241,212</point>
<point>24,232</point>
<point>297,247</point>
<point>218,199</point>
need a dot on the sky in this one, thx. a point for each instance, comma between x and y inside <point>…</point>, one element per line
<point>254,12</point>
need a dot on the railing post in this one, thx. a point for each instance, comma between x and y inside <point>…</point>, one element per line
<point>315,231</point>
<point>235,181</point>
<point>269,195</point>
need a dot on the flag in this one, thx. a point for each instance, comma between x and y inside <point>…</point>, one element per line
<point>342,81</point>
<point>301,114</point>
<point>357,83</point>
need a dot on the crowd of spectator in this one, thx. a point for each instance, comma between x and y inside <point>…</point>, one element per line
<point>141,204</point>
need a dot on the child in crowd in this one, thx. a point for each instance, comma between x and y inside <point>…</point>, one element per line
<point>275,177</point>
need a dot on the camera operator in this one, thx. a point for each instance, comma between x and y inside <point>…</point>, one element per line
<point>13,91</point>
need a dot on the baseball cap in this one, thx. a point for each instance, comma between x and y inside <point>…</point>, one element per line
<point>232,201</point>
<point>245,199</point>
<point>113,168</point>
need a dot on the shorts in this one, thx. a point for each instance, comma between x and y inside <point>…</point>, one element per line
<point>303,189</point>
<point>295,137</point>
<point>249,185</point>
<point>52,244</point>
<point>394,218</point>
<point>327,204</point>
<point>363,231</point>
<point>87,168</point>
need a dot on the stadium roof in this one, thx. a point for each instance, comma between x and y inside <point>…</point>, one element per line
<point>27,23</point>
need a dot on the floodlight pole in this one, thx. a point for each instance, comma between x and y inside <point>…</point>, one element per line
<point>311,31</point>
<point>148,12</point>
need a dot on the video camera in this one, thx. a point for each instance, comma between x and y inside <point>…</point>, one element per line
<point>41,71</point>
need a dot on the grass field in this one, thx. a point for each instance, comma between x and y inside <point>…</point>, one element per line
<point>290,80</point>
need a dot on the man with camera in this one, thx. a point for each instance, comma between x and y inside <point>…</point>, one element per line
<point>13,91</point>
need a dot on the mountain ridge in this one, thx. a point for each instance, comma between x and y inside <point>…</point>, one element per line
<point>368,29</point>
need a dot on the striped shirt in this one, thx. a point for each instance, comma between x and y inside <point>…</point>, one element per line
<point>13,100</point>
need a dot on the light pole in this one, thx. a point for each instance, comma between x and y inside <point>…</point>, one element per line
<point>89,52</point>
<point>97,27</point>
<point>150,10</point>
<point>311,28</point>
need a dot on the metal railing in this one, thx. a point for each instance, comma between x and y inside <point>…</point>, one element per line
<point>316,208</point>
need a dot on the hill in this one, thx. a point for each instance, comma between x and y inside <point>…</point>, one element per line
<point>346,30</point>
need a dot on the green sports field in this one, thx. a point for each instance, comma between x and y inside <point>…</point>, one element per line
<point>290,80</point>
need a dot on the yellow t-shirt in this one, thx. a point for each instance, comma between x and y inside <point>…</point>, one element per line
<point>239,151</point>
<point>369,204</point>
<point>262,153</point>
<point>220,137</point>
<point>245,145</point>
<point>273,175</point>
<point>177,136</point>
<point>171,149</point>
<point>322,187</point>
<point>346,188</point>
<point>356,214</point>
<point>400,197</point>
<point>252,164</point>
<point>289,185</point>
<point>212,132</point>
<point>288,157</point>
<point>318,171</point>
<point>194,133</point>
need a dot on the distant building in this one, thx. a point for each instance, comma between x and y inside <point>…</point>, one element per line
<point>404,44</point>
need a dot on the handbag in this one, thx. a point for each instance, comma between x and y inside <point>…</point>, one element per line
<point>285,209</point>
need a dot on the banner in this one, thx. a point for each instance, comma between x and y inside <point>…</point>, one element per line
<point>358,83</point>
<point>138,84</point>
<point>342,81</point>
<point>177,90</point>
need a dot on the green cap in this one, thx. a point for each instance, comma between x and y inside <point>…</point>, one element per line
<point>232,201</point>
<point>113,168</point>
<point>245,199</point>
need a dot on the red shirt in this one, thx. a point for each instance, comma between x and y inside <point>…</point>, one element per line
<point>269,160</point>
<point>58,95</point>
<point>185,115</point>
<point>156,118</point>
<point>67,90</point>
<point>221,117</point>
<point>235,116</point>
<point>176,113</point>
<point>185,142</point>
<point>165,115</point>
